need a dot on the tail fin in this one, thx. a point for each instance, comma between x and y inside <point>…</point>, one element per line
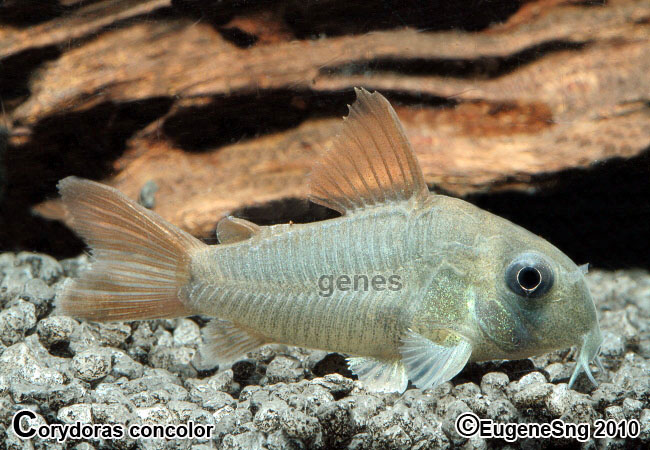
<point>140,261</point>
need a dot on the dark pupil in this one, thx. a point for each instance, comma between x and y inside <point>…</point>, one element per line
<point>529,278</point>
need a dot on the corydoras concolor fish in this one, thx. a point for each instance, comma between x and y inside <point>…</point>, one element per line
<point>412,284</point>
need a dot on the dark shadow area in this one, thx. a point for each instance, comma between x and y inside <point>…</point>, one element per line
<point>476,68</point>
<point>201,374</point>
<point>16,72</point>
<point>220,12</point>
<point>248,371</point>
<point>599,215</point>
<point>4,140</point>
<point>238,37</point>
<point>226,120</point>
<point>333,363</point>
<point>282,211</point>
<point>23,13</point>
<point>311,19</point>
<point>79,143</point>
<point>474,372</point>
<point>61,349</point>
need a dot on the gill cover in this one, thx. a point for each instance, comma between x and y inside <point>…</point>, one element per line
<point>503,324</point>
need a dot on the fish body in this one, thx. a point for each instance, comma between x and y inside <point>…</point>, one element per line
<point>412,284</point>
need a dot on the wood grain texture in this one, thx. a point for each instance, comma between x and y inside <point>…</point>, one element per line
<point>556,85</point>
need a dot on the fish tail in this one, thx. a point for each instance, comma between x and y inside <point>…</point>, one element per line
<point>141,263</point>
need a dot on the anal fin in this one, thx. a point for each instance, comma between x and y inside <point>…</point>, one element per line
<point>429,363</point>
<point>378,375</point>
<point>225,342</point>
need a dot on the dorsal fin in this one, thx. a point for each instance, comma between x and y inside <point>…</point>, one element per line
<point>371,161</point>
<point>232,229</point>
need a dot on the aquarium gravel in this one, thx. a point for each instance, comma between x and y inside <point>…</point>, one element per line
<point>290,398</point>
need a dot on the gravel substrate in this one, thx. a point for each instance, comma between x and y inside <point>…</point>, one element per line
<point>289,398</point>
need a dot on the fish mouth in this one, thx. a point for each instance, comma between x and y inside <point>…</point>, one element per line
<point>589,351</point>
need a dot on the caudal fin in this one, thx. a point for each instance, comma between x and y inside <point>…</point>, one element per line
<point>141,262</point>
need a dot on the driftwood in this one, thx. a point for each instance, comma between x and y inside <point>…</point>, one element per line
<point>556,86</point>
<point>185,60</point>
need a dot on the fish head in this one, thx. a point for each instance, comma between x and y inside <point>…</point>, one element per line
<point>539,301</point>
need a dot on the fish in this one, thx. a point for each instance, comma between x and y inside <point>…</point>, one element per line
<point>411,284</point>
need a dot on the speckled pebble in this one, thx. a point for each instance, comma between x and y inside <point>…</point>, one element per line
<point>532,395</point>
<point>203,393</point>
<point>298,425</point>
<point>124,366</point>
<point>282,370</point>
<point>393,437</point>
<point>268,417</point>
<point>334,420</point>
<point>75,413</point>
<point>224,382</point>
<point>244,441</point>
<point>456,408</point>
<point>55,329</point>
<point>632,407</point>
<point>174,359</point>
<point>531,378</point>
<point>613,345</point>
<point>336,384</point>
<point>614,413</point>
<point>559,372</point>
<point>19,365</point>
<point>644,422</point>
<point>92,365</point>
<point>494,383</point>
<point>42,266</point>
<point>38,293</point>
<point>83,446</point>
<point>15,321</point>
<point>501,410</point>
<point>186,333</point>
<point>13,282</point>
<point>155,414</point>
<point>155,386</point>
<point>111,413</point>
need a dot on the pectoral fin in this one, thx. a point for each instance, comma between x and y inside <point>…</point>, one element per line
<point>428,363</point>
<point>378,375</point>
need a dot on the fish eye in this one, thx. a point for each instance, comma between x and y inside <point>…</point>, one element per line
<point>529,276</point>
